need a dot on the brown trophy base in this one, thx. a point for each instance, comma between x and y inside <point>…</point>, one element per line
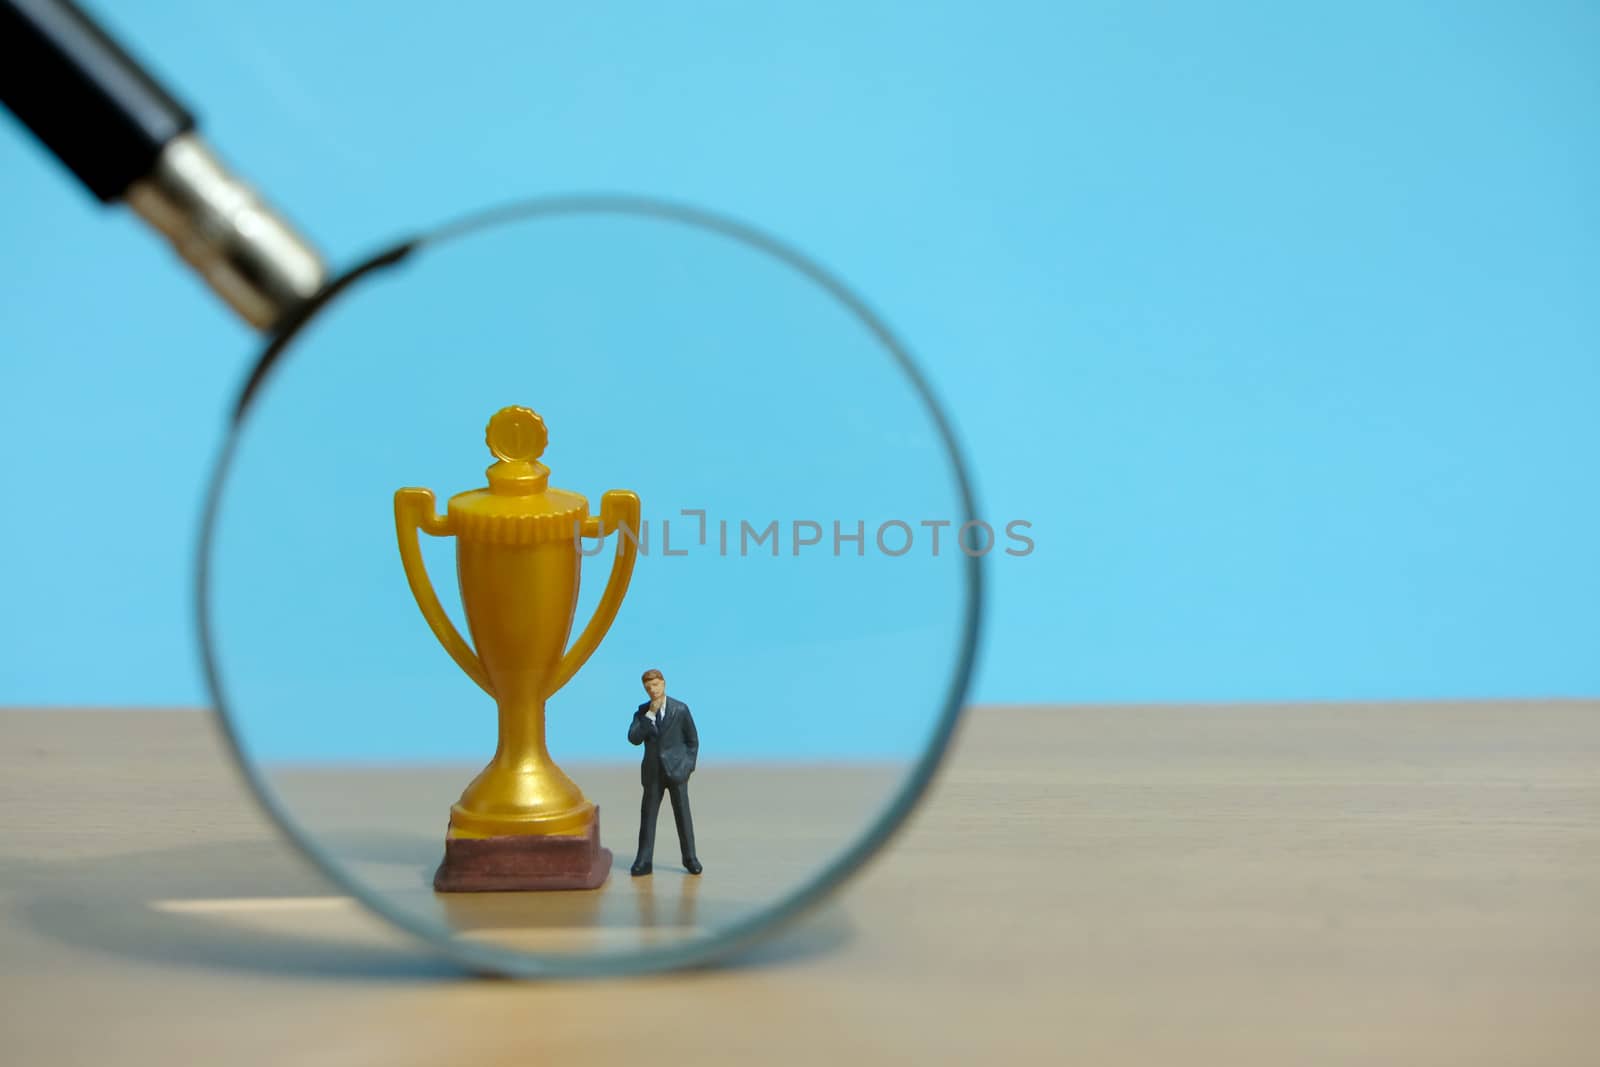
<point>524,863</point>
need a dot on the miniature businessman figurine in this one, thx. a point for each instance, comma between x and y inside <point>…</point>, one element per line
<point>666,730</point>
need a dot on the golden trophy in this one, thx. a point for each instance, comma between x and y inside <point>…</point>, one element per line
<point>521,824</point>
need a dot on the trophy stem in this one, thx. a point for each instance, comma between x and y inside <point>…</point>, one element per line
<point>522,740</point>
<point>521,791</point>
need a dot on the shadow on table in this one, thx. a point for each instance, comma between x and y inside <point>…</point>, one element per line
<point>110,904</point>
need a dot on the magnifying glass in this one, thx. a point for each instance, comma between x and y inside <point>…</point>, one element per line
<point>587,585</point>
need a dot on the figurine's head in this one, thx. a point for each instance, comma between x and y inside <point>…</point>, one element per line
<point>654,684</point>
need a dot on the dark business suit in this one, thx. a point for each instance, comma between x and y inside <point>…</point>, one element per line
<point>670,748</point>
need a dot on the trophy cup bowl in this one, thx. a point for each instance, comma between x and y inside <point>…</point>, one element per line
<point>522,823</point>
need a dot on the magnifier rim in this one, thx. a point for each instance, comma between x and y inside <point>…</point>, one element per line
<point>746,931</point>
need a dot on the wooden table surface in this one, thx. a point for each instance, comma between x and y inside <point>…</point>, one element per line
<point>1407,884</point>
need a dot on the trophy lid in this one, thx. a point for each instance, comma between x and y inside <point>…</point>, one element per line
<point>518,506</point>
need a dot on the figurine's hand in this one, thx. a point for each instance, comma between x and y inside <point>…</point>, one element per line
<point>639,729</point>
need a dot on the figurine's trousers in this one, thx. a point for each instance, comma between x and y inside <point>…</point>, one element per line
<point>650,807</point>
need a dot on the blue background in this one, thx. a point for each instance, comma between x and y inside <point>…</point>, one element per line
<point>1278,323</point>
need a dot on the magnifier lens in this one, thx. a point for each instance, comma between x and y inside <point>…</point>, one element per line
<point>793,478</point>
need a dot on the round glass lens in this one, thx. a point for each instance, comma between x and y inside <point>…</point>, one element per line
<point>510,469</point>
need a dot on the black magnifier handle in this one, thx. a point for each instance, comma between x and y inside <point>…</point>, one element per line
<point>128,139</point>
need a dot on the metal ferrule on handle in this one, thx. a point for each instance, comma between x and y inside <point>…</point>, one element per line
<point>126,138</point>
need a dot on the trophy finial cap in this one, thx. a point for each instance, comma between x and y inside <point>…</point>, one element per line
<point>516,434</point>
<point>517,437</point>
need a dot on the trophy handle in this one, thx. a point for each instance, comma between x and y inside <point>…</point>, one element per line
<point>617,506</point>
<point>413,511</point>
